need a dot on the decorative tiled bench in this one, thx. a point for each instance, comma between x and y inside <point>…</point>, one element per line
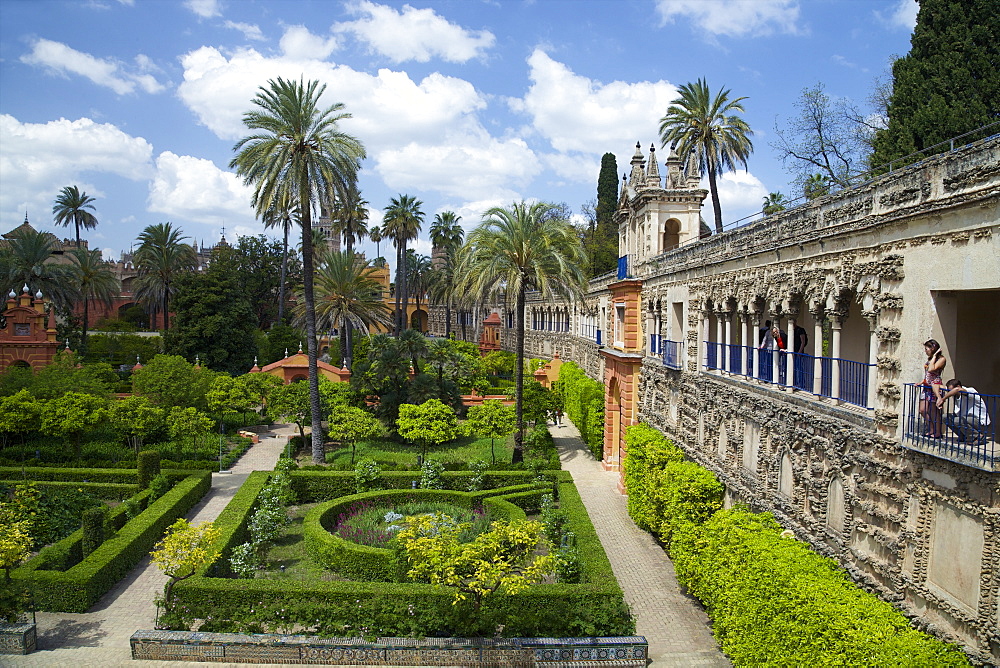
<point>17,638</point>
<point>500,652</point>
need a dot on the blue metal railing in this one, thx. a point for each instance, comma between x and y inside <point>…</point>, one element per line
<point>712,354</point>
<point>654,344</point>
<point>623,267</point>
<point>963,429</point>
<point>672,354</point>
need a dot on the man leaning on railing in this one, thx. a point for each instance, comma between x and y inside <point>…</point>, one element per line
<point>971,418</point>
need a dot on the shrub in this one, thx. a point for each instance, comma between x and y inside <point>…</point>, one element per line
<point>649,452</point>
<point>775,602</point>
<point>430,474</point>
<point>148,466</point>
<point>583,400</point>
<point>366,475</point>
<point>158,486</point>
<point>93,525</point>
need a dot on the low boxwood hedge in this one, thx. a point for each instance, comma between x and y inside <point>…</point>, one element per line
<point>372,563</point>
<point>108,491</point>
<point>313,486</point>
<point>80,586</point>
<point>594,607</point>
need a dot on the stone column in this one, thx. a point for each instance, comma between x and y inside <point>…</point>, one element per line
<point>817,314</point>
<point>720,358</point>
<point>837,321</point>
<point>872,319</point>
<point>757,317</point>
<point>728,341</point>
<point>704,340</point>
<point>790,360</point>
<point>744,316</point>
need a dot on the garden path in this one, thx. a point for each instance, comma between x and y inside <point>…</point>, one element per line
<point>100,638</point>
<point>675,625</point>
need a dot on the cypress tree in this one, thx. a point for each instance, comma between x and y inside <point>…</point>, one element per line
<point>949,82</point>
<point>601,242</point>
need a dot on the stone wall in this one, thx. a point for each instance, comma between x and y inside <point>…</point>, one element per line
<point>870,273</point>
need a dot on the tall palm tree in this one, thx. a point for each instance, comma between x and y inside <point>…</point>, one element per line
<point>283,213</point>
<point>71,209</point>
<point>375,234</point>
<point>346,293</point>
<point>28,260</point>
<point>706,125</point>
<point>95,281</point>
<point>350,220</point>
<point>519,248</point>
<point>298,152</point>
<point>447,237</point>
<point>402,221</point>
<point>418,274</point>
<point>162,255</point>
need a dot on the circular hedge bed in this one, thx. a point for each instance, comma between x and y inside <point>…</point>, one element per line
<point>377,564</point>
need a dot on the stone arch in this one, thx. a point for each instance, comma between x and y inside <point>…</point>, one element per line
<point>786,476</point>
<point>723,444</point>
<point>751,445</point>
<point>836,506</point>
<point>671,234</point>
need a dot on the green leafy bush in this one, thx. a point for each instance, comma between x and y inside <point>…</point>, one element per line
<point>649,452</point>
<point>583,399</point>
<point>148,467</point>
<point>158,486</point>
<point>93,525</point>
<point>366,475</point>
<point>430,474</point>
<point>773,601</point>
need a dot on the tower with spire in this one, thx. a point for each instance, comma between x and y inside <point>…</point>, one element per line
<point>658,213</point>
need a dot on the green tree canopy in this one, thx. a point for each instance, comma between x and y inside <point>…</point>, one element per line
<point>170,380</point>
<point>350,425</point>
<point>73,207</point>
<point>708,126</point>
<point>19,415</point>
<point>491,420</point>
<point>949,82</point>
<point>162,256</point>
<point>291,402</point>
<point>72,415</point>
<point>429,424</point>
<point>135,418</point>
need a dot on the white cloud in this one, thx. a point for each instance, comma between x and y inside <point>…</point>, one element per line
<point>414,34</point>
<point>579,114</point>
<point>206,9</point>
<point>195,189</point>
<point>470,167</point>
<point>299,44</point>
<point>62,59</point>
<point>249,30</point>
<point>740,194</point>
<point>388,108</point>
<point>573,167</point>
<point>40,158</point>
<point>903,15</point>
<point>736,18</point>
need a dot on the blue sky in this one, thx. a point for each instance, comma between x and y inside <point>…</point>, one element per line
<point>464,104</point>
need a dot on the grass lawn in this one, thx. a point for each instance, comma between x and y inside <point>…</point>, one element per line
<point>393,455</point>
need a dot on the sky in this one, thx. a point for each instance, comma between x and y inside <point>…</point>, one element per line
<point>463,104</point>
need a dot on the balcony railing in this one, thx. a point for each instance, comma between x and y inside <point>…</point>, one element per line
<point>771,366</point>
<point>624,267</point>
<point>672,351</point>
<point>967,428</point>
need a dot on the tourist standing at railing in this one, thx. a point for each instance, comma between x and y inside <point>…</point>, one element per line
<point>971,417</point>
<point>931,383</point>
<point>801,339</point>
<point>764,336</point>
<point>779,340</point>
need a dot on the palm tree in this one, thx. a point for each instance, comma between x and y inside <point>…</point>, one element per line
<point>375,234</point>
<point>346,293</point>
<point>401,223</point>
<point>519,248</point>
<point>95,281</point>
<point>773,203</point>
<point>447,237</point>
<point>696,122</point>
<point>418,274</point>
<point>285,214</point>
<point>27,260</point>
<point>815,187</point>
<point>161,256</point>
<point>350,219</point>
<point>71,209</point>
<point>298,153</point>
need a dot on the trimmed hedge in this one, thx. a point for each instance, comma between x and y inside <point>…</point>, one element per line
<point>107,491</point>
<point>595,607</point>
<point>80,586</point>
<point>583,401</point>
<point>375,564</point>
<point>773,601</point>
<point>313,486</point>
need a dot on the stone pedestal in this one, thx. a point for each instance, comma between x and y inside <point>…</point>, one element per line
<point>17,638</point>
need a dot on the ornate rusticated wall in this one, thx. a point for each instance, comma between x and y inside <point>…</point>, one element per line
<point>878,263</point>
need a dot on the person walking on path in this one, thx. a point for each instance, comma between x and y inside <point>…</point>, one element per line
<point>675,625</point>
